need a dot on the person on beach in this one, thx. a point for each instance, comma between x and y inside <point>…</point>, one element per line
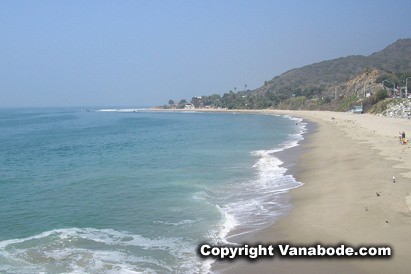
<point>393,179</point>
<point>403,137</point>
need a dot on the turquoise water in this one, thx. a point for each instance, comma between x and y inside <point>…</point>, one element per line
<point>132,191</point>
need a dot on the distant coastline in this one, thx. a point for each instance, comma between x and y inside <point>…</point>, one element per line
<point>341,84</point>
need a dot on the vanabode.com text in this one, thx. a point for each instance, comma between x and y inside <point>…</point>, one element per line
<point>231,252</point>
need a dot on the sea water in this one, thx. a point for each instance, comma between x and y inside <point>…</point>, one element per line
<point>134,191</point>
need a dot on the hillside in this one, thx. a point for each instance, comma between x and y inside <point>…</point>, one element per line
<point>327,74</point>
<point>335,84</point>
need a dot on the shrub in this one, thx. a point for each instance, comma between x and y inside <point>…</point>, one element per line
<point>374,99</point>
<point>347,104</point>
<point>381,95</point>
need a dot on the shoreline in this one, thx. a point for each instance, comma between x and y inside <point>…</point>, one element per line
<point>343,164</point>
<point>289,157</point>
<point>348,196</point>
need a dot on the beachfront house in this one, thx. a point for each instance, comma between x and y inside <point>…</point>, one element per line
<point>357,109</point>
<point>189,106</point>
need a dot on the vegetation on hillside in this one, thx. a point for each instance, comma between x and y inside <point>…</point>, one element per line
<point>397,78</point>
<point>336,85</point>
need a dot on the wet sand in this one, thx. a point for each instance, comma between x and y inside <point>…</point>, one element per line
<point>344,163</point>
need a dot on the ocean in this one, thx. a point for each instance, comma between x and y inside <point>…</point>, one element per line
<point>133,191</point>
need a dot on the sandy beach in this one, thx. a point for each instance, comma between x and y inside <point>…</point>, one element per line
<point>347,166</point>
<point>348,197</point>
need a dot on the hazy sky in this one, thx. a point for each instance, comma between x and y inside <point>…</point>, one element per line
<point>143,53</point>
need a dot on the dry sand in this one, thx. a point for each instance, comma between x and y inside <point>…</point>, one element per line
<point>347,161</point>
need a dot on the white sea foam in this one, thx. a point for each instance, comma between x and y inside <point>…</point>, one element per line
<point>183,222</point>
<point>261,201</point>
<point>90,250</point>
<point>228,223</point>
<point>119,110</point>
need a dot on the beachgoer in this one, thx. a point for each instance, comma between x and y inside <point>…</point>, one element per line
<point>403,138</point>
<point>393,179</point>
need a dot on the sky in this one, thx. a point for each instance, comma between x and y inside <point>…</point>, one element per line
<point>144,53</point>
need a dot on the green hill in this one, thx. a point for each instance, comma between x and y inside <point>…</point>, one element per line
<point>329,85</point>
<point>327,74</point>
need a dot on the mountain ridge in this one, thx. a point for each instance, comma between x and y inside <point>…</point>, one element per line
<point>394,58</point>
<point>335,84</point>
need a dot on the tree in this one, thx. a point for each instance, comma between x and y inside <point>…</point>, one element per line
<point>367,70</point>
<point>171,102</point>
<point>381,95</point>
